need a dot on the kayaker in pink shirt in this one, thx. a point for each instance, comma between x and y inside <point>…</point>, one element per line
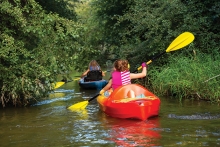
<point>122,76</point>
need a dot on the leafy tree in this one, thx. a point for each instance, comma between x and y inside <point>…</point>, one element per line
<point>92,42</point>
<point>35,47</point>
<point>65,8</point>
<point>144,28</point>
<point>204,20</point>
<point>140,29</point>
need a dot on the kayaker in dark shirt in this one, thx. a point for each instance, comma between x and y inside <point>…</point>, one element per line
<point>93,66</point>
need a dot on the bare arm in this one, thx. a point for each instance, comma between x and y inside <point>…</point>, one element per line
<point>108,86</point>
<point>139,75</point>
<point>85,73</point>
<point>103,73</point>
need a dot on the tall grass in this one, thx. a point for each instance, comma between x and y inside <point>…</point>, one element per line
<point>197,78</point>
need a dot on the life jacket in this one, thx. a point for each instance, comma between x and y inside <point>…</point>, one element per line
<point>93,74</point>
<point>120,78</point>
<point>94,68</point>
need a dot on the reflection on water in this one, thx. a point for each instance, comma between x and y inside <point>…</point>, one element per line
<point>135,133</point>
<point>81,112</point>
<point>48,123</point>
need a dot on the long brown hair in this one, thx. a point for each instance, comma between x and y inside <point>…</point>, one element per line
<point>94,64</point>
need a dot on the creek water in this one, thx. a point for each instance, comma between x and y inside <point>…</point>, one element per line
<point>48,123</point>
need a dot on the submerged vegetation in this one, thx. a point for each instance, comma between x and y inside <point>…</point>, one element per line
<point>42,39</point>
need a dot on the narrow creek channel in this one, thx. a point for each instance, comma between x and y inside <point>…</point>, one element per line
<point>48,123</point>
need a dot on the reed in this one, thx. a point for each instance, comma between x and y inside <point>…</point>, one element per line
<point>182,77</point>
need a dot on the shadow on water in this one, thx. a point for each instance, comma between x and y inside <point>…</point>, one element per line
<point>49,123</point>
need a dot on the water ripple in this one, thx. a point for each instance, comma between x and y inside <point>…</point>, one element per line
<point>63,91</point>
<point>68,97</point>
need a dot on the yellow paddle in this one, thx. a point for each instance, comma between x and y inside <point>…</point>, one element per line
<point>81,105</point>
<point>76,79</point>
<point>58,84</point>
<point>181,41</point>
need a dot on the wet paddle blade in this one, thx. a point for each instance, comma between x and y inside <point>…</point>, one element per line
<point>58,84</point>
<point>80,105</point>
<point>181,41</point>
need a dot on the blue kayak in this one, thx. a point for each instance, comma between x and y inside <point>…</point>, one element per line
<point>92,84</point>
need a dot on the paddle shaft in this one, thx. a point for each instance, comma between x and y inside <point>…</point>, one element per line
<point>181,41</point>
<point>159,55</point>
<point>93,97</point>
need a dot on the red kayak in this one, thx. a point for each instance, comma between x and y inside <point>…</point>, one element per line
<point>143,106</point>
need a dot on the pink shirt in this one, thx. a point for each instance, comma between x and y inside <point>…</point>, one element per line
<point>120,78</point>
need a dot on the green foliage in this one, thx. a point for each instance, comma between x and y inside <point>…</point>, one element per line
<point>204,21</point>
<point>197,77</point>
<point>140,29</point>
<point>35,47</point>
<point>107,14</point>
<point>65,8</point>
<point>144,28</point>
<point>39,41</point>
<point>93,44</point>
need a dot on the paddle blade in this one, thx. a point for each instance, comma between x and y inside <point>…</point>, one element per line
<point>181,41</point>
<point>80,105</point>
<point>76,79</point>
<point>58,84</point>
